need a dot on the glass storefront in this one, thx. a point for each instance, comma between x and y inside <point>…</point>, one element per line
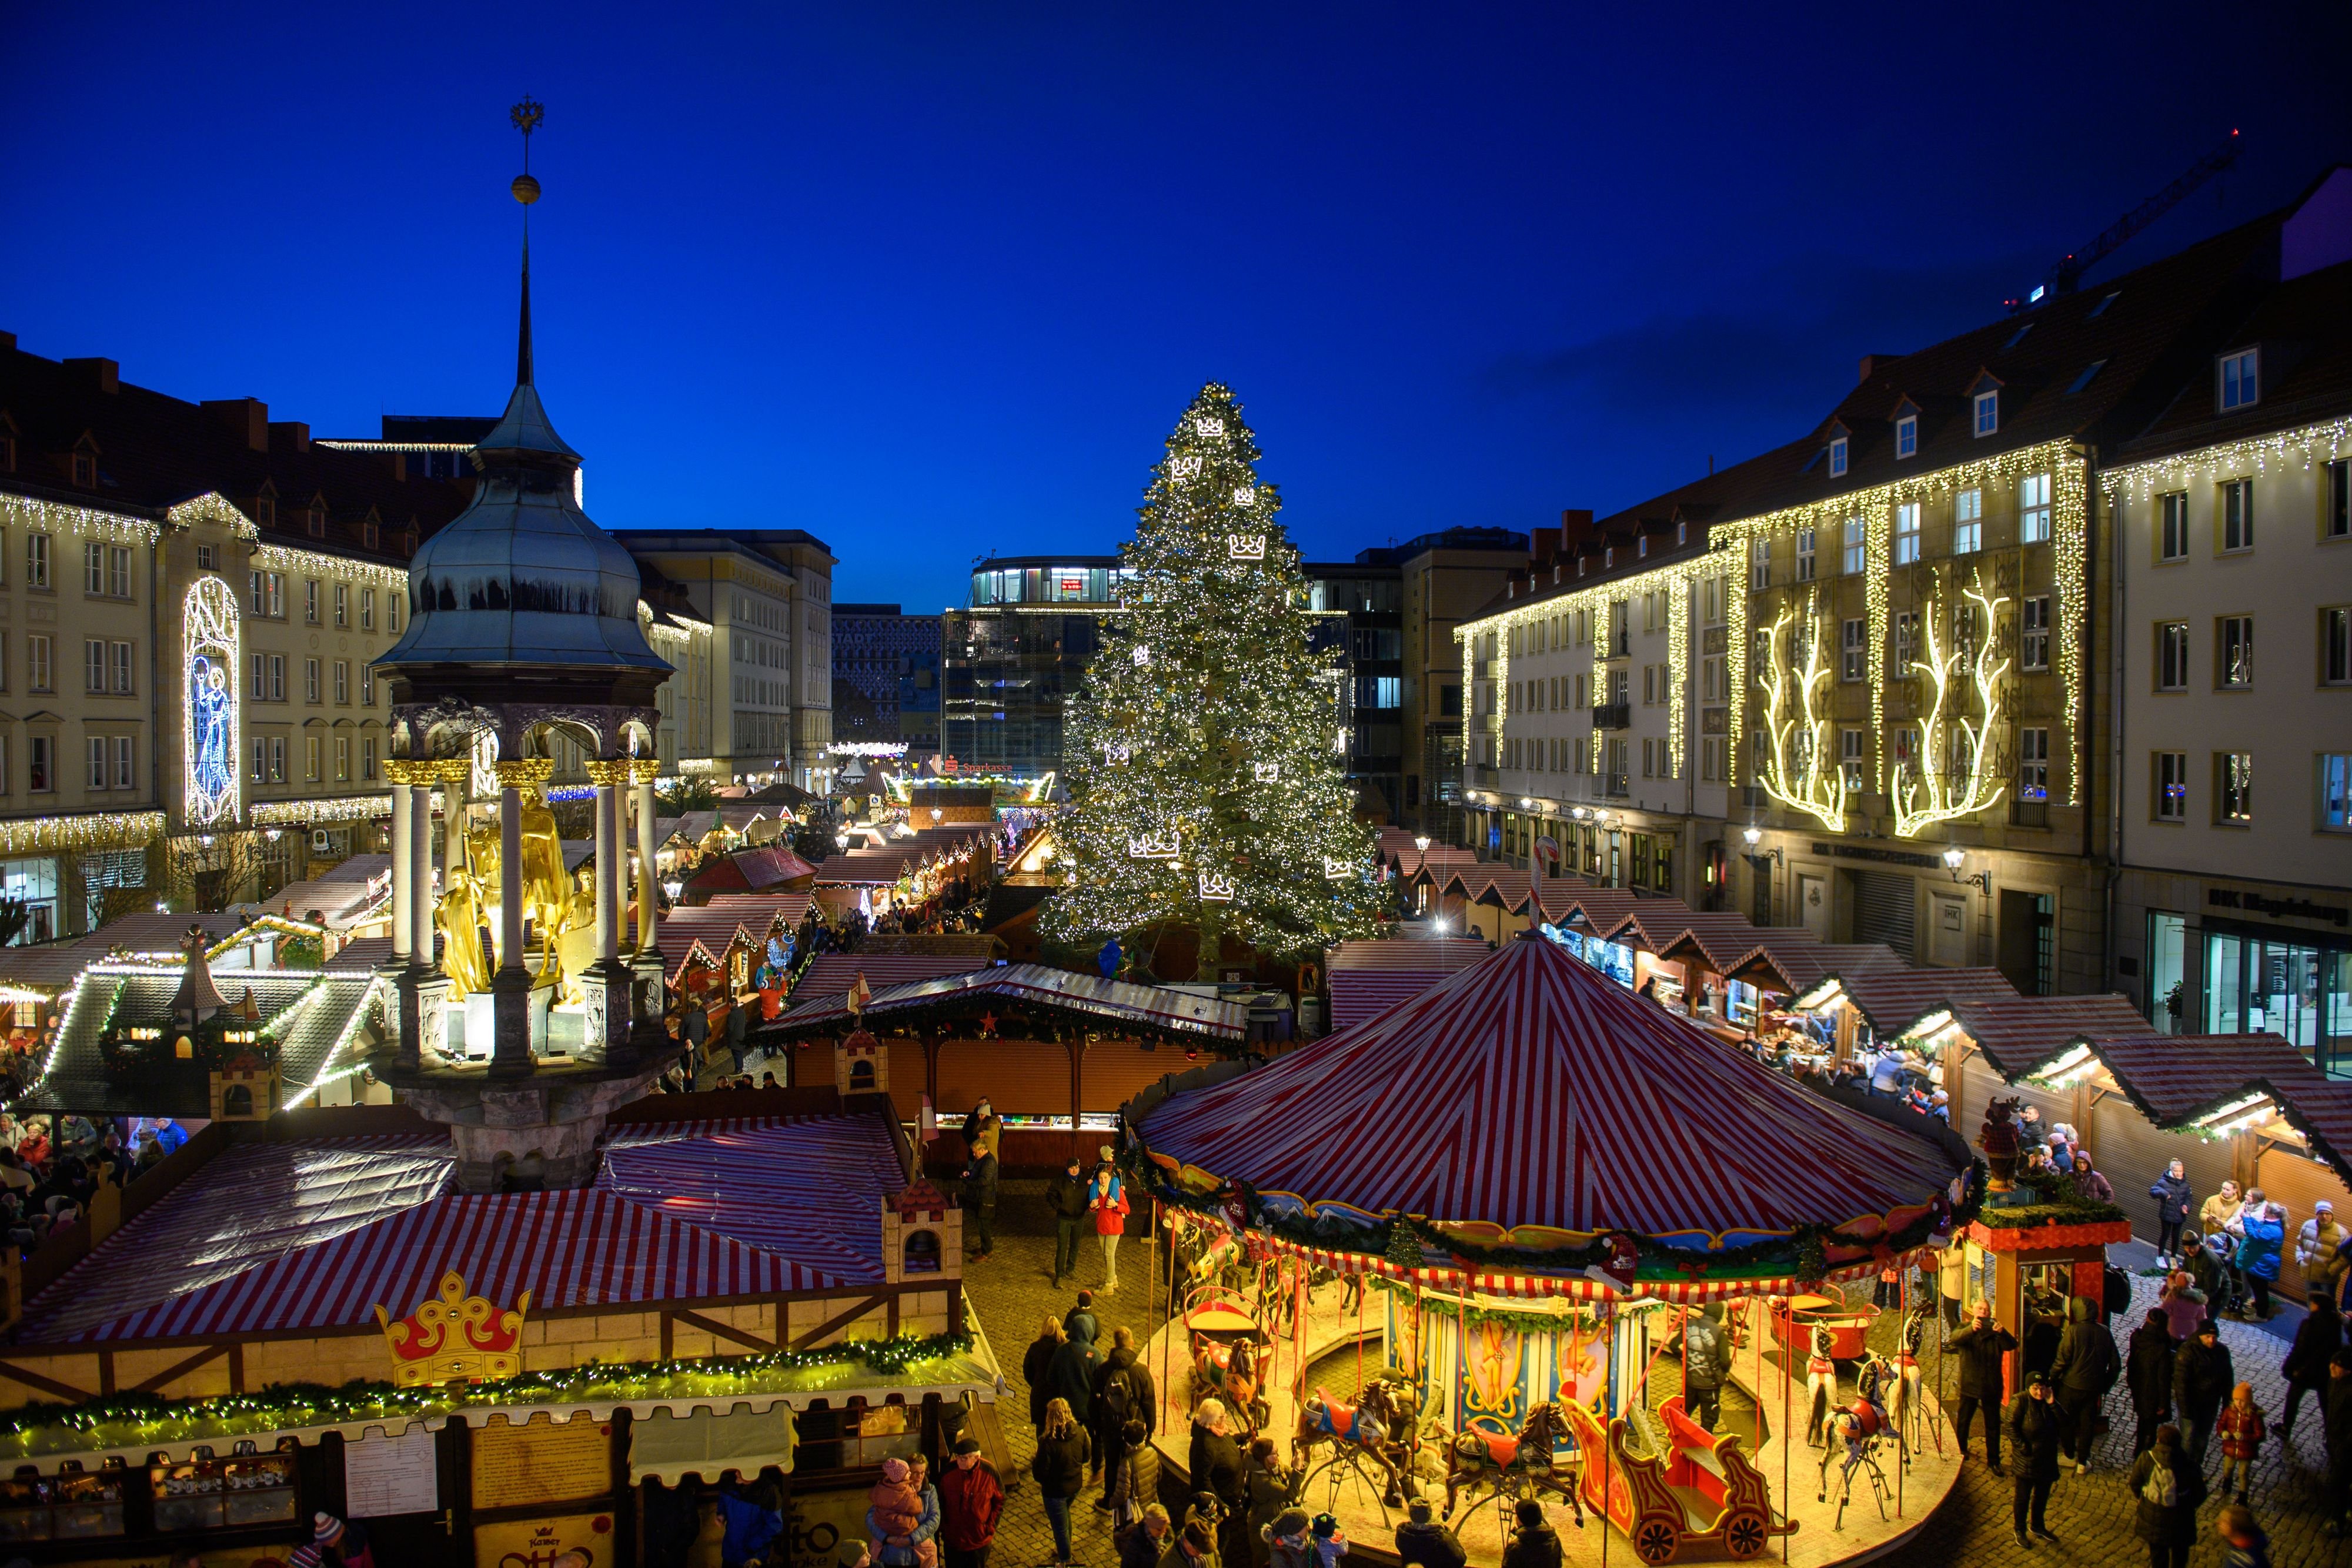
<point>2300,990</point>
<point>2167,972</point>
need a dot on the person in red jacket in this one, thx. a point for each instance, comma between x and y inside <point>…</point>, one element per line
<point>971,1500</point>
<point>1108,1198</point>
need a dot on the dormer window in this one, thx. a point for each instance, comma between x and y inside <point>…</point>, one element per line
<point>1906,436</point>
<point>1579,565</point>
<point>1609,556</point>
<point>1641,545</point>
<point>1682,533</point>
<point>1837,458</point>
<point>314,521</point>
<point>1986,406</point>
<point>265,511</point>
<point>85,471</point>
<point>2240,379</point>
<point>369,532</point>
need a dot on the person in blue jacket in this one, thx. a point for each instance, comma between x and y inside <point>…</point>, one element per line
<point>2264,1224</point>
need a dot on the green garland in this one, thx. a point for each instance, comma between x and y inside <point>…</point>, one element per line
<point>2061,1203</point>
<point>294,1404</point>
<point>1802,1254</point>
<point>1510,1318</point>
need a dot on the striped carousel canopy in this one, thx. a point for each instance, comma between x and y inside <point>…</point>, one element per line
<point>1530,1101</point>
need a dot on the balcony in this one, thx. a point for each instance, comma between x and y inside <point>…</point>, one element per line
<point>1486,778</point>
<point>2029,813</point>
<point>1613,716</point>
<point>1621,645</point>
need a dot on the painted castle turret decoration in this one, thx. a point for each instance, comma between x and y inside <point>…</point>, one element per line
<point>523,1019</point>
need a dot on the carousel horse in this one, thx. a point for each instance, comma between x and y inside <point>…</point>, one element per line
<point>1503,1461</point>
<point>1821,1388</point>
<point>1379,1427</point>
<point>1859,1427</point>
<point>1229,1372</point>
<point>1903,1400</point>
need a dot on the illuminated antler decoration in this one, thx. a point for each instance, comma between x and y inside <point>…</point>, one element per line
<point>1932,791</point>
<point>1801,772</point>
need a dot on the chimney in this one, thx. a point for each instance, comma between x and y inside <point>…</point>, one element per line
<point>294,433</point>
<point>1575,526</point>
<point>1542,544</point>
<point>245,419</point>
<point>1874,363</point>
<point>104,373</point>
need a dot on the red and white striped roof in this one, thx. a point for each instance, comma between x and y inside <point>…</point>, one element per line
<point>1368,977</point>
<point>1533,1091</point>
<point>312,1237</point>
<point>832,974</point>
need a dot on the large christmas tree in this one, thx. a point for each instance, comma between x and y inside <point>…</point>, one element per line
<point>1202,755</point>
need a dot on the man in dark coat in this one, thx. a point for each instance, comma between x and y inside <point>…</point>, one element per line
<point>1123,1392</point>
<point>1980,1348</point>
<point>1067,1198</point>
<point>2037,1431</point>
<point>1070,1376</point>
<point>2203,1376</point>
<point>979,1205</point>
<point>2316,1340</point>
<point>1420,1539</point>
<point>2338,1503</point>
<point>2085,1368</point>
<point>1217,1468</point>
<point>1705,1356</point>
<point>2147,1373</point>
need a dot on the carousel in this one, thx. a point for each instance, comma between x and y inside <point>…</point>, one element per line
<point>1499,1217</point>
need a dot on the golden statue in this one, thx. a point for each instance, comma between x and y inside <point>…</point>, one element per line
<point>461,918</point>
<point>471,897</point>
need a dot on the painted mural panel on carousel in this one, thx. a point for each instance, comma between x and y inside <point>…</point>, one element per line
<point>1488,1372</point>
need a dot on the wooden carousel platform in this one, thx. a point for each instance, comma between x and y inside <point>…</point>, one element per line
<point>1882,1511</point>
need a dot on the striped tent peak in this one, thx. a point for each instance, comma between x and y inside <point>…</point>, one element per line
<point>1533,1091</point>
<point>832,974</point>
<point>1719,940</point>
<point>249,1205</point>
<point>2018,1034</point>
<point>1894,1000</point>
<point>1782,961</point>
<point>1436,955</point>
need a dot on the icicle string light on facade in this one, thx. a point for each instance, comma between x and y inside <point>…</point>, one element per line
<point>303,814</point>
<point>88,830</point>
<point>57,517</point>
<point>2299,448</point>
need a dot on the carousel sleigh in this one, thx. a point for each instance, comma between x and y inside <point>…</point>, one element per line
<point>1701,1501</point>
<point>1794,1319</point>
<point>1230,1351</point>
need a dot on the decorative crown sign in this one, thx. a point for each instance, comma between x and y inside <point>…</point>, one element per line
<point>1215,889</point>
<point>1245,547</point>
<point>455,1338</point>
<point>1267,772</point>
<point>1337,870</point>
<point>1149,847</point>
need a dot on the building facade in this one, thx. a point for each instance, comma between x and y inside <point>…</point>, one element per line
<point>1867,682</point>
<point>767,686</point>
<point>1443,578</point>
<point>2234,520</point>
<point>891,660</point>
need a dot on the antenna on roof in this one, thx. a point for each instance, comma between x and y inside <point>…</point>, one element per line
<point>2070,267</point>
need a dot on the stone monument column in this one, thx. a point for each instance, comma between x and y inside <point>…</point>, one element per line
<point>395,773</point>
<point>419,790</point>
<point>511,1055</point>
<point>643,771</point>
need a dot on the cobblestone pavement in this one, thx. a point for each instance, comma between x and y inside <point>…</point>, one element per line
<point>2092,1514</point>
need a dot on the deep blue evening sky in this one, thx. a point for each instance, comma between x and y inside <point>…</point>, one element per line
<point>935,280</point>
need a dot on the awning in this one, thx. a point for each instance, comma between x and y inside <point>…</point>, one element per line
<point>667,1446</point>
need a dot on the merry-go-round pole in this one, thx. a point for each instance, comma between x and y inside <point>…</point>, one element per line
<point>1788,1354</point>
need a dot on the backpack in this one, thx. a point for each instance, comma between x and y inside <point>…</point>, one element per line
<point>1116,1402</point>
<point>2158,1488</point>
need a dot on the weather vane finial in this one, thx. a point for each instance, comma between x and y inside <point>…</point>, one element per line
<point>526,116</point>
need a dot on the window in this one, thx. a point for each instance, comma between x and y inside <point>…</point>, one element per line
<point>1805,555</point>
<point>208,557</point>
<point>343,604</point>
<point>1968,522</point>
<point>1385,689</point>
<point>1988,412</point>
<point>98,773</point>
<point>260,759</point>
<point>342,681</point>
<point>2335,523</point>
<point>1906,533</point>
<point>41,753</point>
<point>367,609</point>
<point>2234,787</point>
<point>1852,554</point>
<point>1906,640</point>
<point>2033,509</point>
<point>1850,756</point>
<point>2089,373</point>
<point>2033,764</point>
<point>310,680</point>
<point>2101,308</point>
<point>342,758</point>
<point>94,658</point>
<point>2237,513</point>
<point>1854,650</point>
<point>1837,458</point>
<point>2335,647</point>
<point>1906,436</point>
<point>265,593</point>
<point>310,600</point>
<point>1760,564</point>
<point>85,470</point>
<point>2172,656</point>
<point>36,560</point>
<point>2170,800</point>
<point>2336,790</point>
<point>2241,376</point>
<point>367,756</point>
<point>93,565</point>
<point>311,758</point>
<point>314,521</point>
<point>2034,633</point>
<point>36,662</point>
<point>2234,648</point>
<point>1583,691</point>
<point>2172,525</point>
<point>125,752</point>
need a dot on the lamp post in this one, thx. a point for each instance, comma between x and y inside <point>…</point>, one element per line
<point>1957,857</point>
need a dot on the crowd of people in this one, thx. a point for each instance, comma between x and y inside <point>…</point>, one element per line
<point>51,1167</point>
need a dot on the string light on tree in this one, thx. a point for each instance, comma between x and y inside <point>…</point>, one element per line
<point>1226,720</point>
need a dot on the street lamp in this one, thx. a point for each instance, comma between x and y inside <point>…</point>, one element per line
<point>1753,837</point>
<point>937,813</point>
<point>1957,857</point>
